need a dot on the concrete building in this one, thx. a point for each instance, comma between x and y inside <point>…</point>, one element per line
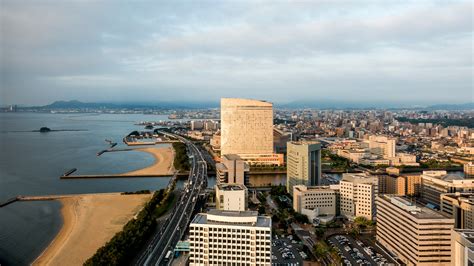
<point>416,235</point>
<point>469,170</point>
<point>459,206</point>
<point>230,238</point>
<point>232,169</point>
<point>303,164</point>
<point>413,184</point>
<point>231,197</point>
<point>392,185</point>
<point>247,130</point>
<point>358,193</point>
<point>318,203</point>
<point>280,138</point>
<point>435,183</point>
<point>462,247</point>
<point>382,145</point>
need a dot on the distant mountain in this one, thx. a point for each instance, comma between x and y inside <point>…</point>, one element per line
<point>464,106</point>
<point>74,104</point>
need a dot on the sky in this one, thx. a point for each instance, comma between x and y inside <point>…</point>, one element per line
<point>281,51</point>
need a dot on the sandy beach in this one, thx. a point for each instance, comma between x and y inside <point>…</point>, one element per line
<point>89,222</point>
<point>163,164</point>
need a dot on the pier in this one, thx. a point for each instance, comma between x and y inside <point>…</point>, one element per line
<point>118,176</point>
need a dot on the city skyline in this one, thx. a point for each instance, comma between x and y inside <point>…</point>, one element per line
<point>349,51</point>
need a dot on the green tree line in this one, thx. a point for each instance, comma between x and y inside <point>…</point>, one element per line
<point>181,159</point>
<point>124,246</point>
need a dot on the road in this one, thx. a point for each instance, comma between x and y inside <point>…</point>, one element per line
<point>175,226</point>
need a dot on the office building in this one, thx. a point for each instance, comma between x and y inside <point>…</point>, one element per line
<point>358,193</point>
<point>462,247</point>
<point>469,170</point>
<point>232,169</point>
<point>435,183</point>
<point>459,206</point>
<point>231,197</point>
<point>247,130</point>
<point>230,238</point>
<point>415,234</point>
<point>382,145</point>
<point>303,164</point>
<point>320,203</point>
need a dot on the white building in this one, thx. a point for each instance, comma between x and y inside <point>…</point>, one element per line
<point>232,169</point>
<point>462,247</point>
<point>358,193</point>
<point>318,203</point>
<point>382,145</point>
<point>231,197</point>
<point>247,130</point>
<point>230,238</point>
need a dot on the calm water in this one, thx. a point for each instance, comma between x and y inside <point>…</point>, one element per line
<point>31,163</point>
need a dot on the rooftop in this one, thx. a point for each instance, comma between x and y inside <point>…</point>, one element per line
<point>232,157</point>
<point>240,102</point>
<point>416,210</point>
<point>232,218</point>
<point>231,187</point>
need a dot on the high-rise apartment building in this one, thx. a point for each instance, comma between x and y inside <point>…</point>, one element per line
<point>247,130</point>
<point>231,197</point>
<point>303,164</point>
<point>358,193</point>
<point>413,184</point>
<point>459,206</point>
<point>462,247</point>
<point>415,234</point>
<point>230,238</point>
<point>232,169</point>
<point>435,183</point>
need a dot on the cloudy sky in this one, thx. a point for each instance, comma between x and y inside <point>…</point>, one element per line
<point>151,51</point>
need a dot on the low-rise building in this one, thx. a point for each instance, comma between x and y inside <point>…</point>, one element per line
<point>232,169</point>
<point>415,234</point>
<point>318,203</point>
<point>460,206</point>
<point>469,169</point>
<point>231,197</point>
<point>435,183</point>
<point>230,237</point>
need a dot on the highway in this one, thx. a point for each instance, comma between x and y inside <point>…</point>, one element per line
<point>175,226</point>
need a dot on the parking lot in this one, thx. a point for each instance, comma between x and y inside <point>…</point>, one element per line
<point>354,252</point>
<point>287,252</point>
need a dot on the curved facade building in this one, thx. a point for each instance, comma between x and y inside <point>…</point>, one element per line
<point>247,130</point>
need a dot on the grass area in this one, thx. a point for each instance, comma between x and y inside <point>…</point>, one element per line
<point>166,205</point>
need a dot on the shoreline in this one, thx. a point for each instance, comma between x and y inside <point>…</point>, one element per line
<point>163,164</point>
<point>89,221</point>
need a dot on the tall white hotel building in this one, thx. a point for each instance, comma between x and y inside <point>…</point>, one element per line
<point>230,238</point>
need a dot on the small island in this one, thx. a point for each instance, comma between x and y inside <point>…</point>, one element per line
<point>45,129</point>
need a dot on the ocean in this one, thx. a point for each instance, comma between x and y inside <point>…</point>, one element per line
<point>32,162</point>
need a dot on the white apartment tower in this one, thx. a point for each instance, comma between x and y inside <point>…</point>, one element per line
<point>230,238</point>
<point>303,164</point>
<point>358,193</point>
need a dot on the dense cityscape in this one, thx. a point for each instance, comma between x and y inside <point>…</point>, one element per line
<point>274,133</point>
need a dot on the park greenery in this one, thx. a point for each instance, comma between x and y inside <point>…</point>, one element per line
<point>145,191</point>
<point>466,122</point>
<point>124,246</point>
<point>181,159</point>
<point>337,162</point>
